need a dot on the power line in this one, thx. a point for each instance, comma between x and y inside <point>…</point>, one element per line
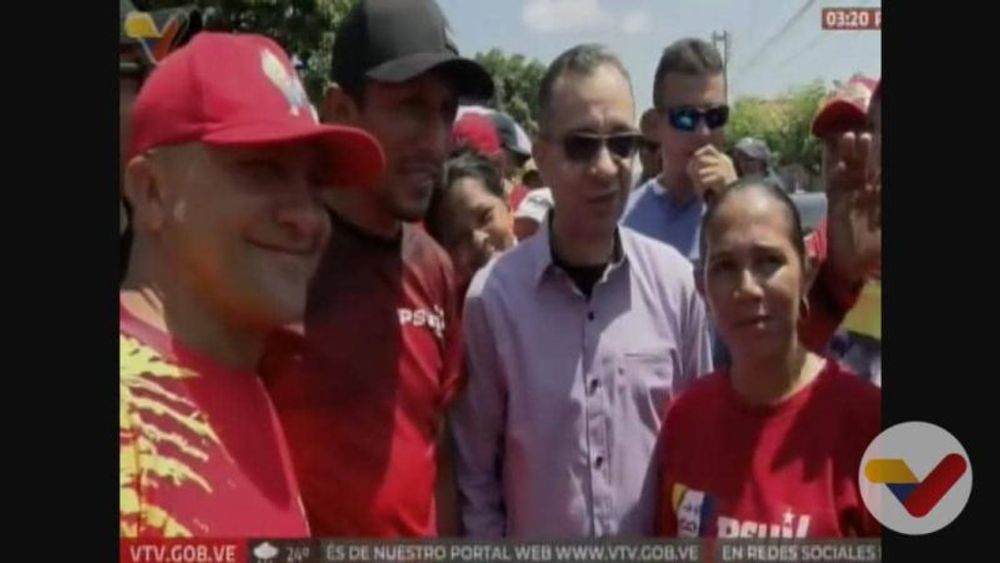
<point>774,38</point>
<point>799,52</point>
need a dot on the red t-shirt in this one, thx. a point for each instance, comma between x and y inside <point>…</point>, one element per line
<point>201,450</point>
<point>363,402</point>
<point>788,470</point>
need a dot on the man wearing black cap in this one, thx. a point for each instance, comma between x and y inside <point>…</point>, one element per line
<point>363,404</point>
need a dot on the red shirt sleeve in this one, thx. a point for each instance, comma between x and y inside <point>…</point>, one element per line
<point>829,300</point>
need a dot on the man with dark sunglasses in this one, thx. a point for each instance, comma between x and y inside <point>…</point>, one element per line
<point>689,91</point>
<point>577,338</point>
<point>689,102</point>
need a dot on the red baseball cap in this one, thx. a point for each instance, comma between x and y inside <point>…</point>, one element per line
<point>478,132</point>
<point>846,108</point>
<point>224,89</point>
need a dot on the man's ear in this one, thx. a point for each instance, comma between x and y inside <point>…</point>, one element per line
<point>144,190</point>
<point>338,106</point>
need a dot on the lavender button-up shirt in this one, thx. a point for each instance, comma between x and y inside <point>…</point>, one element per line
<point>556,432</point>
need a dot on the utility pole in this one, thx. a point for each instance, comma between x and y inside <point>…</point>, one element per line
<point>724,38</point>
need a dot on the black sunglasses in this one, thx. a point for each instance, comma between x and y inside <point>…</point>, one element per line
<point>687,118</point>
<point>583,147</point>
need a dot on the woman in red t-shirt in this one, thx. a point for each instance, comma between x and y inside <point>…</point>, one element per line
<point>771,446</point>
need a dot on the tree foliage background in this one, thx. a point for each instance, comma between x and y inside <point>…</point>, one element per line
<point>306,29</point>
<point>517,79</point>
<point>783,123</point>
<point>303,27</point>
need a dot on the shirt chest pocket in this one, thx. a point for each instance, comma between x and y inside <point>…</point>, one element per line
<point>646,378</point>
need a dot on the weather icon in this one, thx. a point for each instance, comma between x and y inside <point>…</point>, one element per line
<point>265,552</point>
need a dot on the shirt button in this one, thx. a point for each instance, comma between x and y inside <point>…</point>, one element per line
<point>599,461</point>
<point>590,316</point>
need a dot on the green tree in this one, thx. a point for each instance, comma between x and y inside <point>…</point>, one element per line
<point>305,28</point>
<point>783,123</point>
<point>517,80</point>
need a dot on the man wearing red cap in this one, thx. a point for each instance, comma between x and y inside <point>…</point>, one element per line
<point>226,164</point>
<point>851,171</point>
<point>364,405</point>
<point>477,132</point>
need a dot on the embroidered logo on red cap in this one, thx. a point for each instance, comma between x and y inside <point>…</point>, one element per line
<point>858,93</point>
<point>287,81</point>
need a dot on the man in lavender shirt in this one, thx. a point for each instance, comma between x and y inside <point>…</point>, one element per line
<point>578,338</point>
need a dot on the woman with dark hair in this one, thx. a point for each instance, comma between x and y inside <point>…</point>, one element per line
<point>771,445</point>
<point>468,215</point>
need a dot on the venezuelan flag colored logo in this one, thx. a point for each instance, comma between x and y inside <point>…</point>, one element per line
<point>918,497</point>
<point>915,478</point>
<point>158,33</point>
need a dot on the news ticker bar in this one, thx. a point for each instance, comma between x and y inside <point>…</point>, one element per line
<point>458,551</point>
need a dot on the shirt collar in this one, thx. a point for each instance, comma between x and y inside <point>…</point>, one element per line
<point>657,187</point>
<point>540,246</point>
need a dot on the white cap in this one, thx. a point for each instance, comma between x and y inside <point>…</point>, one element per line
<point>535,205</point>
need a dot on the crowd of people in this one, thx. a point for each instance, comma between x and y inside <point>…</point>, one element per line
<point>395,314</point>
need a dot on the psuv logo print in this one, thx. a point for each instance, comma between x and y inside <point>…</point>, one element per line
<point>287,81</point>
<point>434,320</point>
<point>697,516</point>
<point>791,526</point>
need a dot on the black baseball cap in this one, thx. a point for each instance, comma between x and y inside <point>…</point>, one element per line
<point>395,41</point>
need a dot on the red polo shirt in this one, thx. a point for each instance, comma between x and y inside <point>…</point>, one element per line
<point>362,401</point>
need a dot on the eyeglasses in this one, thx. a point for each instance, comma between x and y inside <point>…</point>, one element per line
<point>687,118</point>
<point>583,147</point>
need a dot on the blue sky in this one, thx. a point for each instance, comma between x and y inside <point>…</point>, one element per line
<point>775,45</point>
